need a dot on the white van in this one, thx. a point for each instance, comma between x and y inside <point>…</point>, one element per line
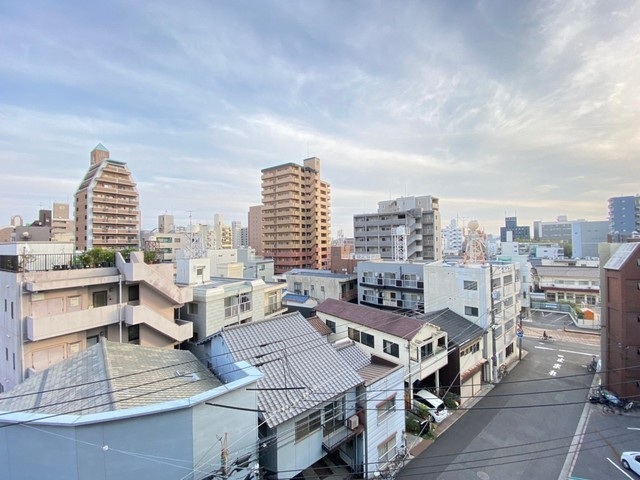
<point>434,405</point>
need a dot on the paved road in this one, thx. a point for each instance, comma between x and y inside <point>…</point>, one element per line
<point>525,425</point>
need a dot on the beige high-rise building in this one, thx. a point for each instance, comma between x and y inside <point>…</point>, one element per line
<point>107,205</point>
<point>255,228</point>
<point>61,224</point>
<point>296,216</point>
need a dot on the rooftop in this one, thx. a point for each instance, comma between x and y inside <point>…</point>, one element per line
<point>459,330</point>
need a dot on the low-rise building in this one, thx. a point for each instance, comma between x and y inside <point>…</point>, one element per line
<point>322,284</point>
<point>118,411</point>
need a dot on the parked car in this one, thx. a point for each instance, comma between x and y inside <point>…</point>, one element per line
<point>434,405</point>
<point>631,461</point>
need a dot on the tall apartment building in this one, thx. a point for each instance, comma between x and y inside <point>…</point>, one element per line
<point>296,218</point>
<point>624,217</point>
<point>107,205</point>
<point>420,216</point>
<point>61,224</point>
<point>236,235</point>
<point>452,238</point>
<point>254,222</point>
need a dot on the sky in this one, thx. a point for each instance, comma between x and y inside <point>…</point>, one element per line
<point>497,108</point>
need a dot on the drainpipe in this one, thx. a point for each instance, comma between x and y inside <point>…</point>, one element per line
<point>120,305</point>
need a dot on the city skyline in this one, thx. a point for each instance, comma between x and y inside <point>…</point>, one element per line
<point>498,109</point>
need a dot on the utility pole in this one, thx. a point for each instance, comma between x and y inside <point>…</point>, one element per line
<point>494,356</point>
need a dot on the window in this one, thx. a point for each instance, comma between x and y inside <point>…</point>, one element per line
<point>134,293</point>
<point>331,324</point>
<point>367,339</point>
<point>387,449</point>
<point>134,334</point>
<point>391,348</point>
<point>470,285</point>
<point>355,334</point>
<point>426,350</point>
<point>307,425</point>
<point>100,299</point>
<point>192,308</point>
<point>386,407</point>
<point>6,352</point>
<point>297,287</point>
<point>333,416</point>
<point>11,310</point>
<point>472,311</point>
<point>14,361</point>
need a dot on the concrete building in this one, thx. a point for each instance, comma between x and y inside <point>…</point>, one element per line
<point>322,284</point>
<point>256,266</point>
<point>254,222</point>
<point>585,237</point>
<point>329,413</point>
<point>452,239</point>
<point>568,283</point>
<point>126,412</point>
<point>62,226</point>
<point>391,285</point>
<point>624,217</point>
<point>296,217</point>
<point>378,233</point>
<point>512,231</point>
<point>620,318</point>
<point>236,235</point>
<point>221,302</point>
<point>53,309</point>
<point>488,295</point>
<point>559,231</point>
<point>107,206</point>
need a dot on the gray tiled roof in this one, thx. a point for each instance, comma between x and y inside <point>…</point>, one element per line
<point>370,368</point>
<point>568,272</point>
<point>111,376</point>
<point>381,320</point>
<point>290,353</point>
<point>459,329</point>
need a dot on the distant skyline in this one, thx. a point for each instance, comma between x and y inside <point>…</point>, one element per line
<point>527,109</point>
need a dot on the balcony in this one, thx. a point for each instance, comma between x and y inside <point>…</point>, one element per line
<point>41,328</point>
<point>333,440</point>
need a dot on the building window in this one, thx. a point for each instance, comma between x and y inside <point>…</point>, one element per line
<point>472,311</point>
<point>391,348</point>
<point>192,308</point>
<point>11,310</point>
<point>100,299</point>
<point>297,287</point>
<point>367,339</point>
<point>470,285</point>
<point>14,361</point>
<point>134,293</point>
<point>387,449</point>
<point>333,416</point>
<point>426,350</point>
<point>386,407</point>
<point>134,334</point>
<point>6,351</point>
<point>355,334</point>
<point>331,324</point>
<point>307,425</point>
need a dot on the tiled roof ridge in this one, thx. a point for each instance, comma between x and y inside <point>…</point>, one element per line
<point>106,361</point>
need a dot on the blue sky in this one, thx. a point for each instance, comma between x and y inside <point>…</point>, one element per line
<point>524,108</point>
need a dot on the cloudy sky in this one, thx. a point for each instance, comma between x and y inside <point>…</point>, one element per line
<point>498,107</point>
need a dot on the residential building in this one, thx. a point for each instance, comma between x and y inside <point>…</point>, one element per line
<point>222,234</point>
<point>452,239</point>
<point>236,235</point>
<point>62,226</point>
<point>296,218</point>
<point>620,318</point>
<point>405,228</point>
<point>342,256</point>
<point>523,260</point>
<point>487,295</point>
<point>624,217</point>
<point>559,231</point>
<point>391,285</point>
<point>421,348</point>
<point>462,373</point>
<point>54,309</point>
<point>312,397</point>
<point>107,207</point>
<point>585,237</point>
<point>322,284</point>
<point>512,231</point>
<point>256,266</point>
<point>254,222</point>
<point>221,302</point>
<point>117,411</point>
<point>568,283</point>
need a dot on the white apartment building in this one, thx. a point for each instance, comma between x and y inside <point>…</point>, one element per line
<point>391,285</point>
<point>376,233</point>
<point>54,307</point>
<point>322,284</point>
<point>488,295</point>
<point>452,239</point>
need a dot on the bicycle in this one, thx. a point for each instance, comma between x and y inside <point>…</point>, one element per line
<point>502,371</point>
<point>390,469</point>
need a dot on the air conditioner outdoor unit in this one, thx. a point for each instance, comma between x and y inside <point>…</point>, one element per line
<point>352,422</point>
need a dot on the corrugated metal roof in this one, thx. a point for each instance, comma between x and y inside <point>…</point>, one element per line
<point>319,326</point>
<point>568,272</point>
<point>381,320</point>
<point>459,329</point>
<point>292,354</point>
<point>111,376</point>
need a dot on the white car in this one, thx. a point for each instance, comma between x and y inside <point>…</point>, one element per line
<point>631,461</point>
<point>434,405</point>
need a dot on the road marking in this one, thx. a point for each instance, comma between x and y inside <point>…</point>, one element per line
<point>564,351</point>
<point>632,428</point>
<point>620,468</point>
<point>553,373</point>
<point>576,441</point>
<point>556,366</point>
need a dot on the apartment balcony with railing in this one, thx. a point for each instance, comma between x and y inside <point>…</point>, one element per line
<point>50,326</point>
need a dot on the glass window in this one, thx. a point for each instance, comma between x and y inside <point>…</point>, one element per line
<point>333,415</point>
<point>391,348</point>
<point>307,425</point>
<point>332,325</point>
<point>192,308</point>
<point>385,407</point>
<point>367,339</point>
<point>469,285</point>
<point>387,449</point>
<point>472,311</point>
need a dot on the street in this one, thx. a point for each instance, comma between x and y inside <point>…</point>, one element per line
<point>525,426</point>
